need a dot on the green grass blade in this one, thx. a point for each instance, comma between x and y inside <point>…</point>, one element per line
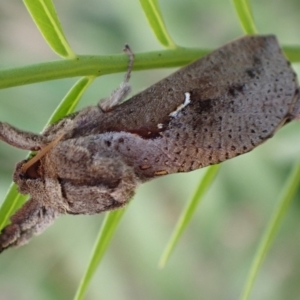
<point>244,12</point>
<point>106,233</point>
<point>70,101</point>
<point>44,16</point>
<point>188,212</point>
<point>288,193</point>
<point>13,199</point>
<point>154,16</point>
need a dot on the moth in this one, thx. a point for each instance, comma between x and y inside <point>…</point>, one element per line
<point>214,109</point>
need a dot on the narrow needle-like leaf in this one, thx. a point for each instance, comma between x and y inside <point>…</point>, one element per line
<point>106,233</point>
<point>188,212</point>
<point>154,16</point>
<point>288,193</point>
<point>70,101</point>
<point>44,16</point>
<point>13,200</point>
<point>244,12</point>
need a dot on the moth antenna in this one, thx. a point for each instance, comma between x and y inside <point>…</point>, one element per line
<point>40,154</point>
<point>19,138</point>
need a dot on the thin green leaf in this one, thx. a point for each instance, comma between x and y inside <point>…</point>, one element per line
<point>13,199</point>
<point>188,212</point>
<point>244,12</point>
<point>106,233</point>
<point>288,193</point>
<point>44,16</point>
<point>70,101</point>
<point>154,16</point>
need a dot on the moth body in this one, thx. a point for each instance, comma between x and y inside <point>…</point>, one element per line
<point>218,107</point>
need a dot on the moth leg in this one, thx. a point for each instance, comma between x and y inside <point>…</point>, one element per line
<point>19,138</point>
<point>118,95</point>
<point>31,219</point>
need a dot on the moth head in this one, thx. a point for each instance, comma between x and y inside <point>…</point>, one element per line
<point>31,180</point>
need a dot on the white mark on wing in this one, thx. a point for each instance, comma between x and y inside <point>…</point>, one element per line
<point>160,126</point>
<point>187,100</point>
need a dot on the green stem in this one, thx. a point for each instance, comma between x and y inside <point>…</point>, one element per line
<point>85,65</point>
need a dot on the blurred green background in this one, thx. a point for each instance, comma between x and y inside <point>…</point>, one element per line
<point>214,255</point>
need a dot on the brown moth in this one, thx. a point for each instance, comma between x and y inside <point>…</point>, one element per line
<point>216,108</point>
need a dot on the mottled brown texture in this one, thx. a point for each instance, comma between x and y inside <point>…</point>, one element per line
<point>220,106</point>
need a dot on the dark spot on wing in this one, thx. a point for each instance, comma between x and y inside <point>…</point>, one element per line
<point>256,60</point>
<point>199,103</point>
<point>234,90</point>
<point>250,73</point>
